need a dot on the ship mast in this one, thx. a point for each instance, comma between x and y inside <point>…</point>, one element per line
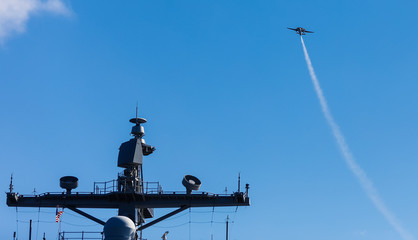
<point>130,196</point>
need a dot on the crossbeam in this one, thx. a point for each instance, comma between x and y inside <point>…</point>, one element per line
<point>116,199</point>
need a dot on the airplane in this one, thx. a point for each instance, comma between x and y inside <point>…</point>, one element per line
<point>299,30</point>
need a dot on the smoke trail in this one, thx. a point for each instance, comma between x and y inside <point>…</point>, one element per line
<point>365,182</point>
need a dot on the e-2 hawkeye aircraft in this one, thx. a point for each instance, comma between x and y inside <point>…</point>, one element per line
<point>300,30</point>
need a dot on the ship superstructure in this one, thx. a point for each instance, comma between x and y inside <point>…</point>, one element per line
<point>134,198</point>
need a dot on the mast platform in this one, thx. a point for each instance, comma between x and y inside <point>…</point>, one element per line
<point>116,199</point>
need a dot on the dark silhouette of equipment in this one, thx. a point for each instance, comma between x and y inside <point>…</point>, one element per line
<point>164,237</point>
<point>191,183</point>
<point>69,183</point>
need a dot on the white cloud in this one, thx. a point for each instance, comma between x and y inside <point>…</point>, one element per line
<point>14,14</point>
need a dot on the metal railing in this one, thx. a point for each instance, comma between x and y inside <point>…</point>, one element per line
<point>105,187</point>
<point>81,235</point>
<point>152,187</point>
<point>115,186</point>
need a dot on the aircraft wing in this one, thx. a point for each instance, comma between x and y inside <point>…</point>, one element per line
<point>309,31</point>
<point>292,29</point>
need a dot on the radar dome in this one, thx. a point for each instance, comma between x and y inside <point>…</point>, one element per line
<point>119,228</point>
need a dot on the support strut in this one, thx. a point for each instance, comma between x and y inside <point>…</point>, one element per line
<point>85,215</point>
<point>162,218</point>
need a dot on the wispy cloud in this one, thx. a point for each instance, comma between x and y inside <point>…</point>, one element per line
<point>14,14</point>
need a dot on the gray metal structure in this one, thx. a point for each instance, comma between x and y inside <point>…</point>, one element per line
<point>130,196</point>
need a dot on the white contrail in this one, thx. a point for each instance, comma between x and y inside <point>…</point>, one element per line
<point>365,182</point>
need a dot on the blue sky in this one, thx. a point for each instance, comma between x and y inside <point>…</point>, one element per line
<point>225,89</point>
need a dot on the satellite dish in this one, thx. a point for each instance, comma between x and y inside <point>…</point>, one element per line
<point>191,183</point>
<point>69,183</point>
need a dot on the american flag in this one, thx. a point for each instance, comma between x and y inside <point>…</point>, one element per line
<point>58,215</point>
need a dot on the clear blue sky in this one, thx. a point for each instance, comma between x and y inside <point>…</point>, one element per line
<point>225,89</point>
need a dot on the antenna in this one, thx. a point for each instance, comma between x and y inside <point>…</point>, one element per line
<point>11,183</point>
<point>30,229</point>
<point>239,182</point>
<point>136,115</point>
<point>227,226</point>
